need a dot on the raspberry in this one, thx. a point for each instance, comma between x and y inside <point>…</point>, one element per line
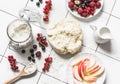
<point>47,63</point>
<point>38,54</point>
<point>12,62</point>
<point>75,7</point>
<point>84,14</point>
<point>70,4</point>
<point>46,18</point>
<point>92,4</point>
<point>98,4</point>
<point>92,12</point>
<point>39,35</point>
<point>80,10</point>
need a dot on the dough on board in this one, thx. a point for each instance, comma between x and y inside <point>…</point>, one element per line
<point>65,36</point>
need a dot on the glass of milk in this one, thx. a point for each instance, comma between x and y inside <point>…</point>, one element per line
<point>20,34</point>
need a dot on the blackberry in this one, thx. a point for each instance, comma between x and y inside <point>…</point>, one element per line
<point>33,60</point>
<point>83,5</point>
<point>44,38</point>
<point>23,51</point>
<point>32,54</point>
<point>37,4</point>
<point>29,58</point>
<point>40,1</point>
<point>31,50</point>
<point>34,46</point>
<point>43,48</point>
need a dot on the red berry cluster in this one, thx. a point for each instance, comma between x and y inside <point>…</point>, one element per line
<point>84,8</point>
<point>47,63</point>
<point>12,62</point>
<point>38,54</point>
<point>42,41</point>
<point>46,10</point>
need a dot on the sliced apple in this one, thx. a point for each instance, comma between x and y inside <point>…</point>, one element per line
<point>92,63</point>
<point>99,72</point>
<point>76,74</point>
<point>90,78</point>
<point>93,69</point>
<point>82,68</point>
<point>77,63</point>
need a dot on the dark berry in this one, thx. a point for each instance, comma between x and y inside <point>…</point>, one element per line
<point>31,50</point>
<point>40,1</point>
<point>29,58</point>
<point>35,46</point>
<point>44,38</point>
<point>43,48</point>
<point>37,4</point>
<point>31,0</point>
<point>83,5</point>
<point>33,60</point>
<point>23,51</point>
<point>32,54</point>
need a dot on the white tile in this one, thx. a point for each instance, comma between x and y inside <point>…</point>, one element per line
<point>108,5</point>
<point>112,69</point>
<point>112,48</point>
<point>116,10</point>
<point>57,13</point>
<point>13,6</point>
<point>87,31</point>
<point>4,40</point>
<point>44,79</point>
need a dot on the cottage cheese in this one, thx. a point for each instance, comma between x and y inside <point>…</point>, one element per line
<point>65,36</point>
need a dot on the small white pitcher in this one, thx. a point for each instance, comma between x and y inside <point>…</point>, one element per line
<point>102,35</point>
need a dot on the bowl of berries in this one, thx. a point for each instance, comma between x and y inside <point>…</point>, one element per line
<point>84,9</point>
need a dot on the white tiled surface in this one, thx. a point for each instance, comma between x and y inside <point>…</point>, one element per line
<point>108,53</point>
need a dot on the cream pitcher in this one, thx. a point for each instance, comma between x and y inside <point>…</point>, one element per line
<point>102,35</point>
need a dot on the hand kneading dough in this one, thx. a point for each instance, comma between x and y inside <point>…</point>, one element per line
<point>65,36</point>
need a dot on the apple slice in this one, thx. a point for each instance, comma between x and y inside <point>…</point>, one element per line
<point>90,78</point>
<point>76,63</point>
<point>93,69</point>
<point>99,72</point>
<point>76,74</point>
<point>92,63</point>
<point>82,68</point>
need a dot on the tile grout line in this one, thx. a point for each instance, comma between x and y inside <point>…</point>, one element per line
<point>111,12</point>
<point>54,77</point>
<point>39,78</point>
<point>8,13</point>
<point>27,3</point>
<point>116,59</point>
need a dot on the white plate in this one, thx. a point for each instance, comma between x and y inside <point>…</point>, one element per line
<point>75,13</point>
<point>78,57</point>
